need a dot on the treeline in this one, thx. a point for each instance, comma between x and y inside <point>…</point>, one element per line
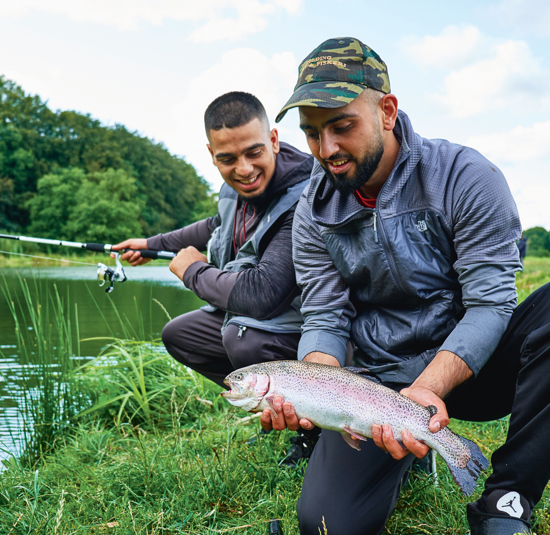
<point>538,241</point>
<point>64,175</point>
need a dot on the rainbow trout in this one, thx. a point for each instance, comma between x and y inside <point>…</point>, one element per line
<point>341,399</point>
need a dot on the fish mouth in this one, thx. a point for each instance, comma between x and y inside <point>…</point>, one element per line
<point>247,396</point>
<point>231,394</point>
<point>234,392</point>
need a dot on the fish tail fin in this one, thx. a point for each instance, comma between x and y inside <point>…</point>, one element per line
<point>466,465</point>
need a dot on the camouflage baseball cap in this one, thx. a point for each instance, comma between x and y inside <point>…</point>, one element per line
<point>336,73</point>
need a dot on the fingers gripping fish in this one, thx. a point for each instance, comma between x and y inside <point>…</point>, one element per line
<point>340,400</point>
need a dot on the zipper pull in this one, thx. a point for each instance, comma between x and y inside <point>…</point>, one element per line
<point>242,328</point>
<point>375,231</point>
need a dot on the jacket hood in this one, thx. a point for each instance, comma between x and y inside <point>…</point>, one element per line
<point>331,208</point>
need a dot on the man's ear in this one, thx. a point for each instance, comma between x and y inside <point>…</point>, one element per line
<point>274,137</point>
<point>388,105</point>
<point>211,153</point>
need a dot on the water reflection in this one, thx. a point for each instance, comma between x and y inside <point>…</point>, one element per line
<point>140,306</point>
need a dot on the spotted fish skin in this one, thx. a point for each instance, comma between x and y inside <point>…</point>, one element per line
<point>340,400</point>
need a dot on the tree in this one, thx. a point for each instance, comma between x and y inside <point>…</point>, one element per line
<point>36,141</point>
<point>538,241</point>
<point>52,207</point>
<point>106,207</point>
<point>98,207</point>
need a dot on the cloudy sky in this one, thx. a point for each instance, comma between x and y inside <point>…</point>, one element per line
<point>474,72</point>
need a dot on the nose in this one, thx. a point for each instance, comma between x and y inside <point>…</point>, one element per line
<point>244,167</point>
<point>327,146</point>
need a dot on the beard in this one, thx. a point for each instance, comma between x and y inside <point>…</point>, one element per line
<point>259,200</point>
<point>347,183</point>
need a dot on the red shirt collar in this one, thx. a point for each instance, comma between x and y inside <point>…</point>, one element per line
<point>367,203</point>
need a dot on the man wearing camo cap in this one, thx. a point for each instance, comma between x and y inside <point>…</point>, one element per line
<point>407,246</point>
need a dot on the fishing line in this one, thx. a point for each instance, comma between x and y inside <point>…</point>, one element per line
<point>49,258</point>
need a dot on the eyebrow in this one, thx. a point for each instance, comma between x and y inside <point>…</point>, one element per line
<point>305,126</point>
<point>248,149</point>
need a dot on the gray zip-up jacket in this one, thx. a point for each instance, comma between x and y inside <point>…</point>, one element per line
<point>431,267</point>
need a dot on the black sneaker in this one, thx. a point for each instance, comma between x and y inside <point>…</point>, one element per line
<point>275,527</point>
<point>302,446</point>
<point>505,513</point>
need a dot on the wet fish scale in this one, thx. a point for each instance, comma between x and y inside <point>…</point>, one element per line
<point>340,400</point>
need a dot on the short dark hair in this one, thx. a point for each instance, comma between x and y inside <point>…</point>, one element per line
<point>233,109</point>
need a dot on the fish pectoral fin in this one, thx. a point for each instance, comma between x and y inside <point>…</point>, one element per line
<point>269,400</point>
<point>353,438</point>
<point>353,442</point>
<point>354,434</point>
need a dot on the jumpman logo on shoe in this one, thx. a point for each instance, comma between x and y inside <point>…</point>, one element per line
<point>506,504</point>
<point>509,504</point>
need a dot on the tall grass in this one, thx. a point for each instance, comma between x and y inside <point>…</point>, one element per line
<point>43,384</point>
<point>138,383</point>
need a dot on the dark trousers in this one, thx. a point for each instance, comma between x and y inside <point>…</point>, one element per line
<point>195,339</point>
<point>355,492</point>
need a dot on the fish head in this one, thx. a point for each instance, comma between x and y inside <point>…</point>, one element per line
<point>247,388</point>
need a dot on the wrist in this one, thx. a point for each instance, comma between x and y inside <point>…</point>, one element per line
<point>322,358</point>
<point>443,374</point>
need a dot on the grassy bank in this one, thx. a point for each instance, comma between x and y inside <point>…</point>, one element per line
<point>536,272</point>
<point>168,455</point>
<point>158,451</point>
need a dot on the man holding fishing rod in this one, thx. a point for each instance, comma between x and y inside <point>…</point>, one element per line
<point>254,305</point>
<point>407,246</point>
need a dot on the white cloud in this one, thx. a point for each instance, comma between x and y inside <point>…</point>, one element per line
<point>523,154</point>
<point>531,189</point>
<point>450,49</point>
<point>511,77</point>
<point>217,19</point>
<point>252,17</point>
<point>528,15</point>
<point>483,74</point>
<point>271,79</point>
<point>518,145</point>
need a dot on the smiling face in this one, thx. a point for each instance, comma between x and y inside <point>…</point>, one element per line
<point>354,143</point>
<point>245,156</point>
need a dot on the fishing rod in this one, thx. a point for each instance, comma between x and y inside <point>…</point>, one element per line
<point>104,273</point>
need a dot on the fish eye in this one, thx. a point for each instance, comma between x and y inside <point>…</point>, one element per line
<point>239,377</point>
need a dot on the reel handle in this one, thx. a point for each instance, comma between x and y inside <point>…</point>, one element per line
<point>146,253</point>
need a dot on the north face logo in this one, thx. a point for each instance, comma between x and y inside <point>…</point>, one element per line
<point>422,226</point>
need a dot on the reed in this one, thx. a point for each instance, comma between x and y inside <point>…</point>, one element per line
<point>43,384</point>
<point>138,383</point>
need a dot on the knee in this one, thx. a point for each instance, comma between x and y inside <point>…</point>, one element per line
<point>331,512</point>
<point>169,334</point>
<point>173,342</point>
<point>318,519</point>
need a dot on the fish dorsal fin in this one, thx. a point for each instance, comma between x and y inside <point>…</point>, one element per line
<point>363,372</point>
<point>432,409</point>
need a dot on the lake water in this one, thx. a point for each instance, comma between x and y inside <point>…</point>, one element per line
<point>138,301</point>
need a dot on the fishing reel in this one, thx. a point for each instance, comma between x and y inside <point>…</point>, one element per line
<point>108,274</point>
